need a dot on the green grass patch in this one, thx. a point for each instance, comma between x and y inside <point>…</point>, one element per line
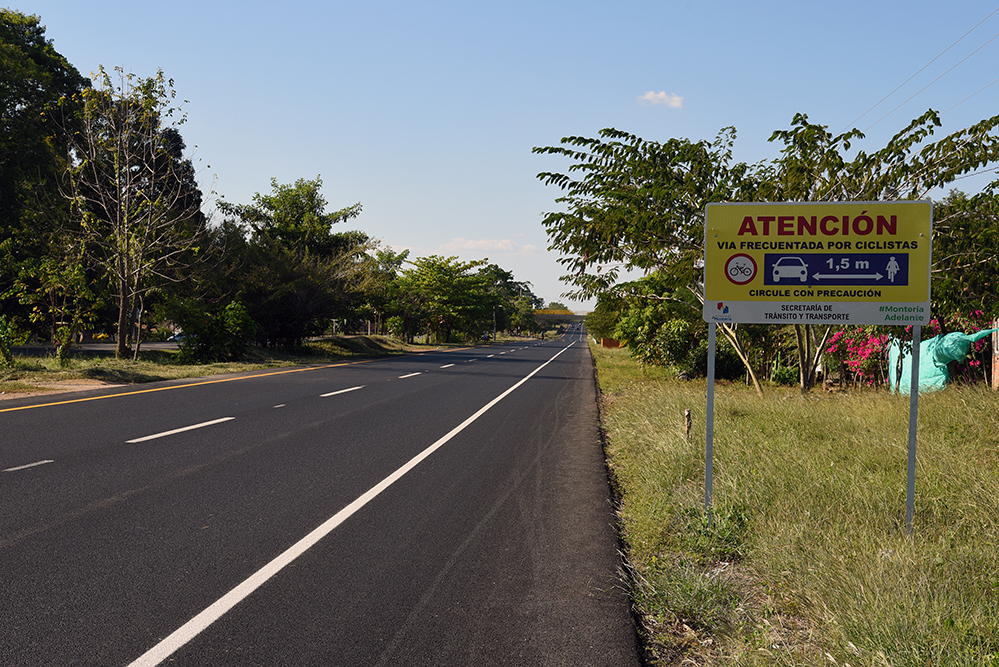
<point>806,561</point>
<point>618,370</point>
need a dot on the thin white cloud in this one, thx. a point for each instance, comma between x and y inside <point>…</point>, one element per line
<point>487,246</point>
<point>672,101</point>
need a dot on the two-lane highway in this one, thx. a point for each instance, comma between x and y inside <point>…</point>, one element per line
<point>435,509</point>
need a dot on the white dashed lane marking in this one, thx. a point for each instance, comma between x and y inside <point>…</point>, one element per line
<point>29,465</point>
<point>179,430</point>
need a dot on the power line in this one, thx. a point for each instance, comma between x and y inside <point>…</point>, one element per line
<point>973,94</point>
<point>851,123</point>
<point>932,82</point>
<point>976,173</point>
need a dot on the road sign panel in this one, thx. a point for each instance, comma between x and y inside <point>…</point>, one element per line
<point>818,263</point>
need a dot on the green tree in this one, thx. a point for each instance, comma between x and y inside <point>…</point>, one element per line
<point>136,196</point>
<point>59,293</point>
<point>812,167</point>
<point>296,274</point>
<point>214,334</point>
<point>602,322</point>
<point>637,204</point>
<point>34,77</point>
<point>295,216</point>
<point>384,265</point>
<point>6,341</point>
<point>446,297</point>
<point>522,319</point>
<point>513,301</point>
<point>966,254</point>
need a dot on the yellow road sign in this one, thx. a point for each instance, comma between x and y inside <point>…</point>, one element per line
<point>818,263</point>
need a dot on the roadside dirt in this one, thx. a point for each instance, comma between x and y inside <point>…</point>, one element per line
<point>59,387</point>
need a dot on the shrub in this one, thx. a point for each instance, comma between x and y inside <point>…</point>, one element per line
<point>6,341</point>
<point>785,376</point>
<point>222,335</point>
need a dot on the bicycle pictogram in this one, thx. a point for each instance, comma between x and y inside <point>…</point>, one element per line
<point>743,270</point>
<point>740,269</point>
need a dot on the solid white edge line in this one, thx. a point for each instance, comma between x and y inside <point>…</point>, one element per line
<point>30,465</point>
<point>342,391</point>
<point>196,625</point>
<point>179,430</point>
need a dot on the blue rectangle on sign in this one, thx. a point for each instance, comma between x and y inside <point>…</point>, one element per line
<point>881,269</point>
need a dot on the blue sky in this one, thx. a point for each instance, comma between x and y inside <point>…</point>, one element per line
<point>426,112</point>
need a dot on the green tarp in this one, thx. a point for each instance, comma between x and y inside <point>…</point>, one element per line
<point>934,355</point>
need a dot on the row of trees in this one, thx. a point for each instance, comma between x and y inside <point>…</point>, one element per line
<point>102,229</point>
<point>635,204</point>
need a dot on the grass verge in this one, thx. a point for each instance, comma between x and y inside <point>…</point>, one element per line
<point>806,561</point>
<point>34,373</point>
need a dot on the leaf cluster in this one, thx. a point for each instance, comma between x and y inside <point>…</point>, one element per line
<point>632,203</point>
<point>295,273</point>
<point>295,216</point>
<point>638,204</point>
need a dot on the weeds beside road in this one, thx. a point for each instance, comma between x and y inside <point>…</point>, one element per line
<point>807,561</point>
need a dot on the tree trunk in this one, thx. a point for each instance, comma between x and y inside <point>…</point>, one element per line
<point>732,334</point>
<point>138,330</point>
<point>804,374</point>
<point>809,354</point>
<point>122,347</point>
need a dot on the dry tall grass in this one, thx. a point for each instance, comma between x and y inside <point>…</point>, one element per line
<point>806,561</point>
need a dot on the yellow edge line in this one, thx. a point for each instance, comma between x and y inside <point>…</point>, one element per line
<point>183,386</point>
<point>198,384</point>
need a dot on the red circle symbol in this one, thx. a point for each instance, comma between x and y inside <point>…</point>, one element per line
<point>740,269</point>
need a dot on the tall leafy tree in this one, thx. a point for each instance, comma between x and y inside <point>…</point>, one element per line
<point>34,77</point>
<point>813,167</point>
<point>638,204</point>
<point>383,266</point>
<point>136,195</point>
<point>294,215</point>
<point>447,296</point>
<point>966,254</point>
<point>602,321</point>
<point>298,273</point>
<point>512,300</point>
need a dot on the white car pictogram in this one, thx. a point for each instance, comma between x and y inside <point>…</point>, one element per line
<point>790,267</point>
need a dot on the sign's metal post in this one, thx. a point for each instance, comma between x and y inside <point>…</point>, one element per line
<point>910,486</point>
<point>995,356</point>
<point>709,424</point>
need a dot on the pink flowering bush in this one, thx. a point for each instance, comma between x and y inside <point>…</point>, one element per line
<point>862,351</point>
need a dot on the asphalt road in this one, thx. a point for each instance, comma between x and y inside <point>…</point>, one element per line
<point>448,508</point>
